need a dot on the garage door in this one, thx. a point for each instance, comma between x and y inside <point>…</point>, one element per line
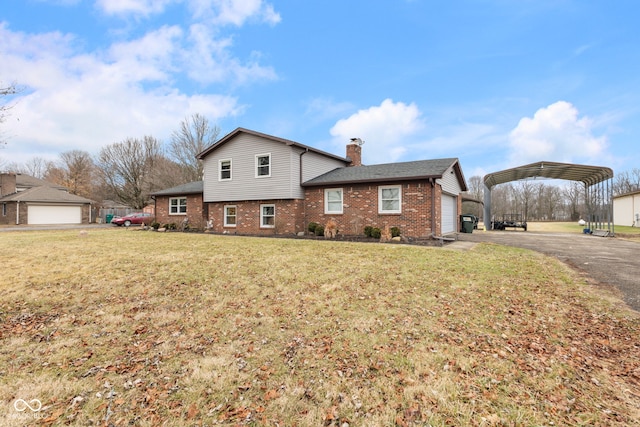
<point>43,214</point>
<point>448,214</point>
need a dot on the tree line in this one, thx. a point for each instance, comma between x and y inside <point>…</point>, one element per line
<point>128,171</point>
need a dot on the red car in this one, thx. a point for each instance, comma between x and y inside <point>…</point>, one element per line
<point>133,218</point>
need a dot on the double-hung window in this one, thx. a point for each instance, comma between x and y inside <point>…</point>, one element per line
<point>177,206</point>
<point>390,199</point>
<point>263,165</point>
<point>267,216</point>
<point>230,216</point>
<point>225,170</point>
<point>333,201</point>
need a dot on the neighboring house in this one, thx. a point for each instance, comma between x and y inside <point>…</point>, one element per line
<point>175,204</point>
<point>626,209</point>
<point>261,184</point>
<point>28,200</point>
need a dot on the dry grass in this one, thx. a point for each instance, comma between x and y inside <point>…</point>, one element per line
<point>139,328</point>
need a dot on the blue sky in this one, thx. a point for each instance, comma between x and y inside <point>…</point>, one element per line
<point>496,83</point>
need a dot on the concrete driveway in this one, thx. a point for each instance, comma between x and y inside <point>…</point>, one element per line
<point>609,261</point>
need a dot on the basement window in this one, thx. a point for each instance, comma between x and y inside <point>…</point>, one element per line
<point>267,216</point>
<point>230,216</point>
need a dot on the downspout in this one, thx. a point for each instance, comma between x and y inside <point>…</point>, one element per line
<point>17,212</point>
<point>433,206</point>
<point>304,195</point>
<point>155,208</point>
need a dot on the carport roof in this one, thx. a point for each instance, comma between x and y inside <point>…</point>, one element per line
<point>589,175</point>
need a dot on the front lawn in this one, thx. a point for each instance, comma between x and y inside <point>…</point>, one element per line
<point>121,327</point>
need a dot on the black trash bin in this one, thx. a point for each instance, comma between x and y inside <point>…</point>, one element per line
<point>467,223</point>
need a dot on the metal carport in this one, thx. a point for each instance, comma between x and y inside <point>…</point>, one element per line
<point>598,182</point>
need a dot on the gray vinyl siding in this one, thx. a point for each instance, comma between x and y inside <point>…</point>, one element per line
<point>314,164</point>
<point>449,182</point>
<point>284,182</point>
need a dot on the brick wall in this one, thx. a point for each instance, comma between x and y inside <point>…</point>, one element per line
<point>7,183</point>
<point>10,217</point>
<point>360,209</point>
<point>195,213</point>
<point>289,218</point>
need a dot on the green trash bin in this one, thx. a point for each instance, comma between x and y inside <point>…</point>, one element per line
<point>466,223</point>
<point>108,218</point>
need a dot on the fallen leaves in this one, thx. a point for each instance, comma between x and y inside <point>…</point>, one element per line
<point>223,337</point>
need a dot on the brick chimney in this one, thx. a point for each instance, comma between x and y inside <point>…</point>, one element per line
<point>354,152</point>
<point>7,184</point>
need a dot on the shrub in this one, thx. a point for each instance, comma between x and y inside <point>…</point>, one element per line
<point>172,226</point>
<point>312,226</point>
<point>155,225</point>
<point>376,233</point>
<point>319,230</point>
<point>395,232</point>
<point>367,230</point>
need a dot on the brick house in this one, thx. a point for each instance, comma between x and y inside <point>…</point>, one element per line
<point>176,204</point>
<point>25,199</point>
<point>256,183</point>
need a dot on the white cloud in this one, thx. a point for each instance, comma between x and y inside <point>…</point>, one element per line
<point>74,99</point>
<point>135,7</point>
<point>385,129</point>
<point>319,109</point>
<point>209,60</point>
<point>233,12</point>
<point>555,133</point>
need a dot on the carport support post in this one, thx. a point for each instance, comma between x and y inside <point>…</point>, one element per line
<point>487,208</point>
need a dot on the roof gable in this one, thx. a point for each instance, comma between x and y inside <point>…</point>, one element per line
<point>230,136</point>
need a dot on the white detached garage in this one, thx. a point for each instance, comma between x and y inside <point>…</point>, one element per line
<point>44,205</point>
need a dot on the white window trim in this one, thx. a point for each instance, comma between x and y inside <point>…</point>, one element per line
<point>185,205</point>
<point>385,187</point>
<point>226,224</point>
<point>220,178</point>
<point>256,165</point>
<point>326,200</point>
<point>262,224</point>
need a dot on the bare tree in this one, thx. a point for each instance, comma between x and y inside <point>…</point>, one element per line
<point>476,191</point>
<point>523,193</point>
<point>194,135</point>
<point>37,167</point>
<point>127,169</point>
<point>626,182</point>
<point>6,91</point>
<point>574,196</point>
<point>75,171</point>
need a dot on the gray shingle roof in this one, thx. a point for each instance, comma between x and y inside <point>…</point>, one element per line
<point>23,180</point>
<point>419,169</point>
<point>195,187</point>
<point>44,194</point>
